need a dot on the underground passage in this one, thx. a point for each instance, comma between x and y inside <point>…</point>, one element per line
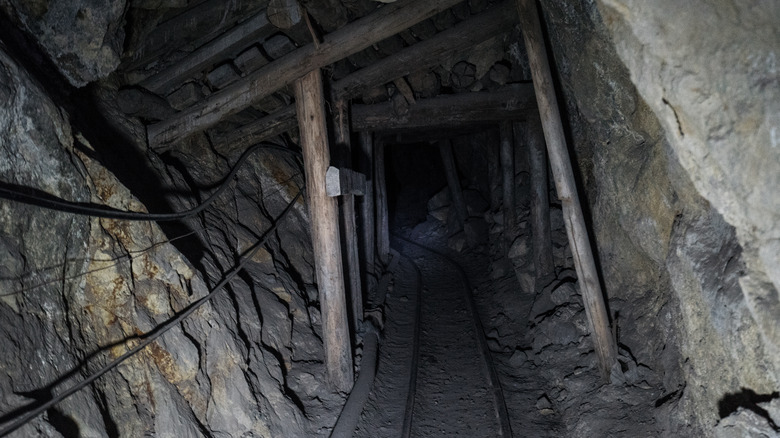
<point>389,218</point>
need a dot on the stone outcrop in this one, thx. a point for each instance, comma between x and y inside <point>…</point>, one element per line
<point>675,154</point>
<point>84,39</point>
<point>82,289</point>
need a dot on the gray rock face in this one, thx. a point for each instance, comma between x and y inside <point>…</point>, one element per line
<point>718,98</point>
<point>83,38</point>
<point>682,284</point>
<point>78,289</point>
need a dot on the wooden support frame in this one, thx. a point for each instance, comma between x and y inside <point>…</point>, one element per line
<point>258,131</point>
<point>367,216</point>
<point>349,223</point>
<point>512,102</point>
<point>453,181</point>
<point>428,53</point>
<point>255,29</point>
<point>507,153</point>
<point>540,201</point>
<point>560,163</point>
<point>352,38</point>
<point>382,215</point>
<point>323,216</point>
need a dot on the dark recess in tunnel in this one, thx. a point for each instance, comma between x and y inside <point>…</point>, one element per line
<point>414,173</point>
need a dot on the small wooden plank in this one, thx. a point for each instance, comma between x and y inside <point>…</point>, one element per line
<point>560,163</point>
<point>323,216</point>
<point>512,102</point>
<point>342,181</point>
<point>352,38</point>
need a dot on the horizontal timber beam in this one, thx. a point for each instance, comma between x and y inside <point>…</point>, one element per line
<point>352,38</point>
<point>260,130</point>
<point>207,20</point>
<point>255,29</point>
<point>429,53</point>
<point>512,102</point>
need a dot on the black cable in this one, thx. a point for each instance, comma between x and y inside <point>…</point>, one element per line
<point>119,259</point>
<point>151,336</point>
<point>54,203</point>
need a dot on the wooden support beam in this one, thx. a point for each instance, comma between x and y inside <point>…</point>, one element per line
<point>342,181</point>
<point>429,53</point>
<point>348,224</point>
<point>380,192</point>
<point>255,29</point>
<point>540,202</point>
<point>323,216</point>
<point>560,163</point>
<point>453,181</point>
<point>352,38</point>
<point>512,102</point>
<point>508,171</point>
<point>494,173</point>
<point>365,163</point>
<point>200,23</point>
<point>258,131</point>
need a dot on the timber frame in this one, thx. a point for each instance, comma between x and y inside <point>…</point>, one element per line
<point>257,75</point>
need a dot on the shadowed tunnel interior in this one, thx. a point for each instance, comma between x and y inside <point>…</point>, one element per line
<point>407,253</point>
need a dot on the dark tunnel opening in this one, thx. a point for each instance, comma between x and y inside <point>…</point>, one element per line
<point>414,174</point>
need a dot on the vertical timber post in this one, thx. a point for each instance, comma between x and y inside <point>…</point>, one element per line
<point>540,201</point>
<point>595,308</point>
<point>349,226</point>
<point>508,170</point>
<point>323,214</point>
<point>365,165</point>
<point>453,181</point>
<point>382,219</point>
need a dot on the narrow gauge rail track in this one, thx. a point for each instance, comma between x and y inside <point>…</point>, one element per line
<point>454,388</point>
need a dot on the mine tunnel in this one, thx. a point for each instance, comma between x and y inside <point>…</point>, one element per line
<point>481,218</point>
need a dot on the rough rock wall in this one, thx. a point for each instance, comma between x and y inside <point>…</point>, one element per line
<point>74,288</point>
<point>680,284</point>
<point>708,70</point>
<point>83,38</point>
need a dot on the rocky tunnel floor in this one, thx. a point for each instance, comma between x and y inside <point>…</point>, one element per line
<point>538,343</point>
<point>453,395</point>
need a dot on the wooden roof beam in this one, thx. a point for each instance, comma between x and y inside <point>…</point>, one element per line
<point>352,38</point>
<point>255,29</point>
<point>429,53</point>
<point>207,19</point>
<point>511,102</point>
